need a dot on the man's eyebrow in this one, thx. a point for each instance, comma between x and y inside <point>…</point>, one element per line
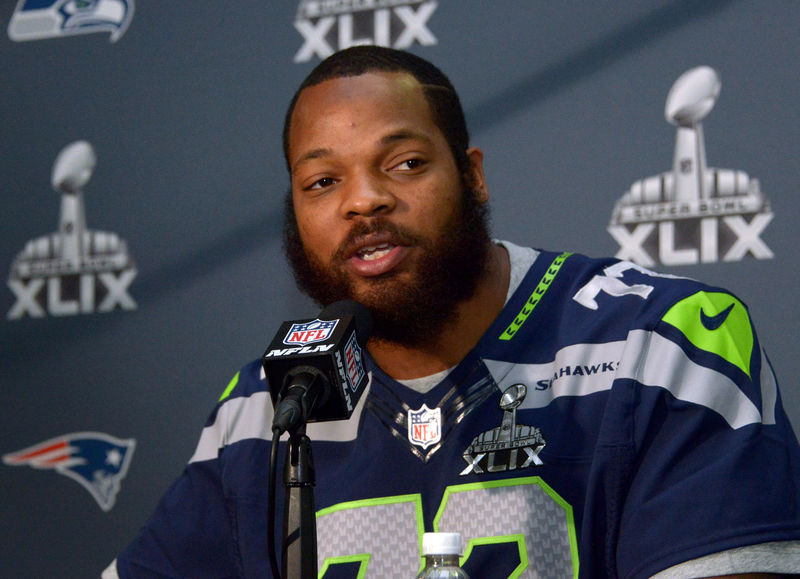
<point>405,135</point>
<point>390,139</point>
<point>310,155</point>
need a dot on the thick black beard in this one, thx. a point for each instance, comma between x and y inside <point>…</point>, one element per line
<point>409,313</point>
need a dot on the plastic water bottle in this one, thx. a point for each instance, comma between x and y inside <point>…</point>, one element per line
<point>441,551</point>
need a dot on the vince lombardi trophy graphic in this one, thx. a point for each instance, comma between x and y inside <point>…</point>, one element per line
<point>691,98</point>
<point>71,172</point>
<point>73,270</point>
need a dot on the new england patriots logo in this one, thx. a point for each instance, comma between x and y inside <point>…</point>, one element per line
<point>97,461</point>
<point>38,19</point>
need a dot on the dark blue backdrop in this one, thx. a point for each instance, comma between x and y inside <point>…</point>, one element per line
<point>184,110</point>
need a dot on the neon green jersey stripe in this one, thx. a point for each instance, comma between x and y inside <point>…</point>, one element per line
<point>229,388</point>
<point>534,298</point>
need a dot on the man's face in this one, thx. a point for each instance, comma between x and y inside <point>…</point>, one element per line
<point>382,213</point>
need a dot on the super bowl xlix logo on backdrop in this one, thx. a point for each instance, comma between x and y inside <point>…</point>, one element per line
<point>693,214</point>
<point>73,270</point>
<point>331,25</point>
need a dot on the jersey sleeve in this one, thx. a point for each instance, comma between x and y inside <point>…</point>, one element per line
<point>189,534</point>
<point>714,464</point>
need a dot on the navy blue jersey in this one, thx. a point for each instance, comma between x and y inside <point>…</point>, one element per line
<point>612,422</point>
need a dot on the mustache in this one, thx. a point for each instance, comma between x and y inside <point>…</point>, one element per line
<point>398,235</point>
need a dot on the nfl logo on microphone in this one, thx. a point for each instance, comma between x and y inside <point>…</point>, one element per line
<point>425,426</point>
<point>310,332</point>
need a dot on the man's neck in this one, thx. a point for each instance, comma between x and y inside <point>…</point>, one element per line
<point>473,317</point>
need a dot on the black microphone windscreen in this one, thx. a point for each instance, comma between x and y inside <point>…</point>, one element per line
<point>330,349</point>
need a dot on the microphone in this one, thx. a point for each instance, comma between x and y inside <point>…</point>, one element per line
<point>315,368</point>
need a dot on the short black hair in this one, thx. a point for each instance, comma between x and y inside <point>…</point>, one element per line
<point>439,92</point>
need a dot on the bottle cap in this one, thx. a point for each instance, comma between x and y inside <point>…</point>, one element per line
<point>441,544</point>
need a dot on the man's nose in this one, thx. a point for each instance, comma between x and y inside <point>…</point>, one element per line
<point>367,195</point>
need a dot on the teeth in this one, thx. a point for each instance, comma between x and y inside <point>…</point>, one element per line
<point>374,251</point>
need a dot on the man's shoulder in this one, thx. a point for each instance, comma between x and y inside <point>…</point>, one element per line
<point>602,300</point>
<point>567,298</point>
<point>610,285</point>
<point>241,413</point>
<point>246,382</point>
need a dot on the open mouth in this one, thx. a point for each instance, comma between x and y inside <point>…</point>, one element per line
<point>373,252</point>
<point>376,255</point>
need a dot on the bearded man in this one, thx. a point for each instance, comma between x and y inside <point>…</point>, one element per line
<point>582,417</point>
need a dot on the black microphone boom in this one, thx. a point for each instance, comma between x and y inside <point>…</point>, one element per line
<point>315,368</point>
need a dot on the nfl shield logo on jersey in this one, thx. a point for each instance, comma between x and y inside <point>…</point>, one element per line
<point>425,426</point>
<point>309,332</point>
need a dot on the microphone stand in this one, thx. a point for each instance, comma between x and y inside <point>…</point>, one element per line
<point>299,551</point>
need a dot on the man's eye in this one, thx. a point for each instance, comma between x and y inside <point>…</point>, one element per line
<point>410,165</point>
<point>322,183</point>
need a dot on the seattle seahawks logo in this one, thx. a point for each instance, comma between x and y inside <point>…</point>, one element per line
<point>40,19</point>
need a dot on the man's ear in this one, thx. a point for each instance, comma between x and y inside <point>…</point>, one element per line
<point>475,177</point>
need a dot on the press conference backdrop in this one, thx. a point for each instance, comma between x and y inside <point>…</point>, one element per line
<point>142,184</point>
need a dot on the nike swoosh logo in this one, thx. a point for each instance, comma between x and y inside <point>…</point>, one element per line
<point>712,323</point>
